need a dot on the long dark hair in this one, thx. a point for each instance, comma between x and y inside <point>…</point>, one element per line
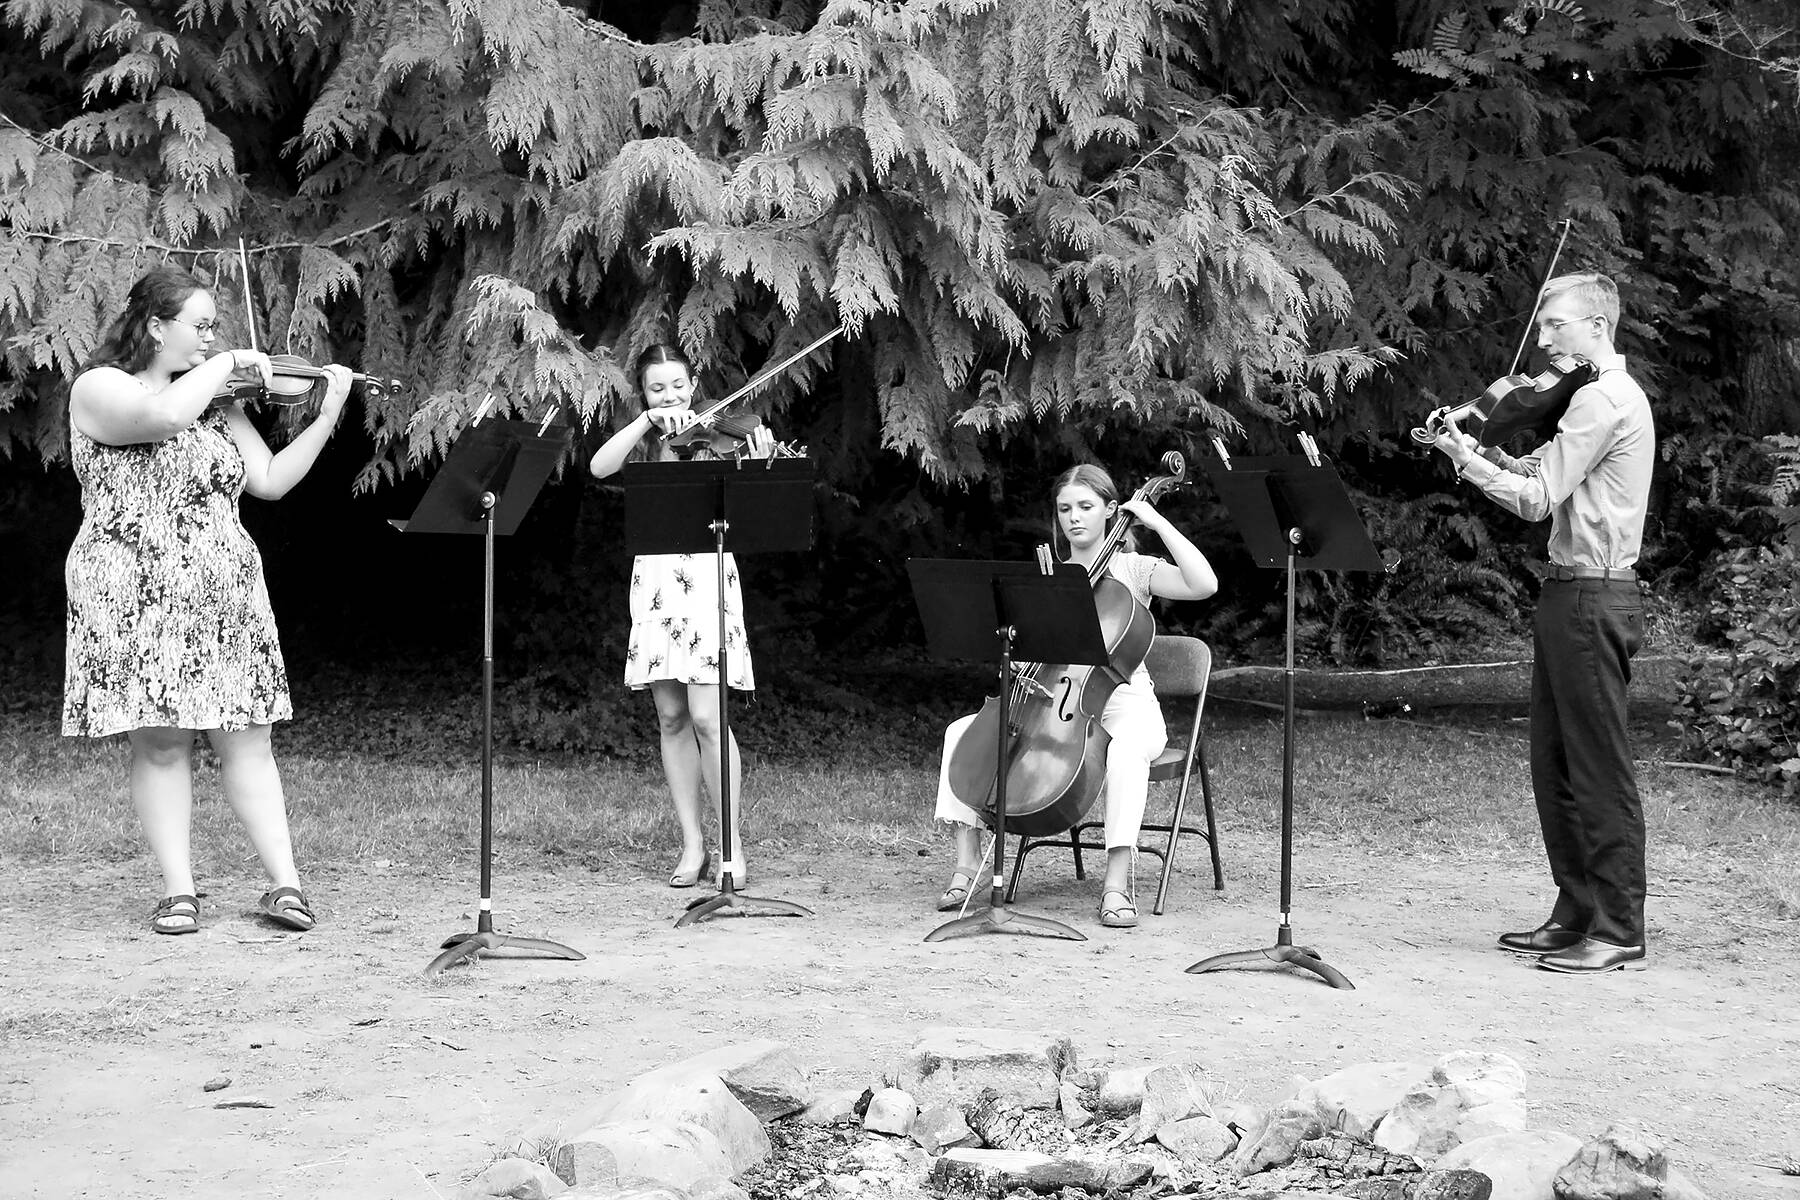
<point>1096,479</point>
<point>127,344</point>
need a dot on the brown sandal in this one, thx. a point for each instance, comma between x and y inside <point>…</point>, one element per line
<point>286,906</point>
<point>176,914</point>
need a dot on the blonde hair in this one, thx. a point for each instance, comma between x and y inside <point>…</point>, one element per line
<point>1595,291</point>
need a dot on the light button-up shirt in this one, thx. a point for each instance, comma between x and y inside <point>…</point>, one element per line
<point>1592,479</point>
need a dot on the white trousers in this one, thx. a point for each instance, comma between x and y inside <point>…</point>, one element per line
<point>1133,720</point>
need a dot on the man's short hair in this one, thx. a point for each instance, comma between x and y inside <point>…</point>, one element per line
<point>1594,291</point>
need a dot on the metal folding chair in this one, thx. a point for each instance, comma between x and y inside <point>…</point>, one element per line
<point>1181,667</point>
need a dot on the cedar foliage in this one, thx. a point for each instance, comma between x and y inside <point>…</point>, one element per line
<point>1024,213</point>
<point>1053,228</point>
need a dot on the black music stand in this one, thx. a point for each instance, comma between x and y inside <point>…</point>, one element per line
<point>1292,512</point>
<point>688,508</point>
<point>485,486</point>
<point>981,611</point>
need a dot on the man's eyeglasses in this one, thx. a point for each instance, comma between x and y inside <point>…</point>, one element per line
<point>1555,323</point>
<point>205,329</point>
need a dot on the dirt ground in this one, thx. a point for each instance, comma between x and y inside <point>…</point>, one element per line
<point>381,1082</point>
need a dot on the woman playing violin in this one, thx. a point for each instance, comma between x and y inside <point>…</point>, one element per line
<point>169,627</point>
<point>1086,504</point>
<point>674,648</point>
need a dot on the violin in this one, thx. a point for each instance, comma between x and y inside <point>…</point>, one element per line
<point>1057,747</point>
<point>1513,404</point>
<point>712,418</point>
<point>293,379</point>
<point>293,383</point>
<point>726,437</point>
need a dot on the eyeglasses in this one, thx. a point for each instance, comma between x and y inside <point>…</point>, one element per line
<point>205,329</point>
<point>1555,323</point>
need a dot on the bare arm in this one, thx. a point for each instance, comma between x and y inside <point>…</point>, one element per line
<point>270,476</point>
<point>1190,576</point>
<point>116,409</point>
<point>612,454</point>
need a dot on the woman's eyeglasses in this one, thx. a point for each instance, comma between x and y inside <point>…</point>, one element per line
<point>205,329</point>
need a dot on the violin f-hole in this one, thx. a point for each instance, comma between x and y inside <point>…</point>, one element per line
<point>1065,707</point>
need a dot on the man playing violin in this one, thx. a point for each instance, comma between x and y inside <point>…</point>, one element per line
<point>1592,479</point>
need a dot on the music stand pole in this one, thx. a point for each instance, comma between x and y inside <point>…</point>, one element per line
<point>974,611</point>
<point>999,916</point>
<point>688,508</point>
<point>729,902</point>
<point>494,466</point>
<point>1284,952</point>
<point>1289,509</point>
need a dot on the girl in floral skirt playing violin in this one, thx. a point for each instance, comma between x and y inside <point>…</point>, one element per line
<point>674,648</point>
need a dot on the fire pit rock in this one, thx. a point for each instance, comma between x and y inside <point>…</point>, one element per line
<point>1007,1115</point>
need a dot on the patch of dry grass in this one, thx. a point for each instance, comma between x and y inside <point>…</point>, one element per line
<point>1405,786</point>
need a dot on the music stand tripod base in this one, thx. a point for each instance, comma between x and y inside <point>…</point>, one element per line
<point>1282,954</point>
<point>731,903</point>
<point>459,946</point>
<point>1000,917</point>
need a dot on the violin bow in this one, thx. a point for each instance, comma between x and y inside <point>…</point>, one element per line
<point>1537,301</point>
<point>249,304</point>
<point>762,377</point>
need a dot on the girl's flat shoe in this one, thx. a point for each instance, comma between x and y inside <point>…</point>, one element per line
<point>687,879</point>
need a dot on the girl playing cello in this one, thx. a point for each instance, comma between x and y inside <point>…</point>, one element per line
<point>1086,504</point>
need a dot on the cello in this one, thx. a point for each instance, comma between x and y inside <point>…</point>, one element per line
<point>1057,747</point>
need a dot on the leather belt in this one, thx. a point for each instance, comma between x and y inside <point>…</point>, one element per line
<point>1611,574</point>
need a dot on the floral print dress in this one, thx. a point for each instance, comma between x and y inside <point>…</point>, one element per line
<point>675,622</point>
<point>169,617</point>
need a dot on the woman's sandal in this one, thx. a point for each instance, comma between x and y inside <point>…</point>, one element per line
<point>1118,916</point>
<point>962,881</point>
<point>286,906</point>
<point>687,879</point>
<point>176,914</point>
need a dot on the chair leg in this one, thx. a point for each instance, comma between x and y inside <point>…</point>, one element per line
<point>1168,863</point>
<point>1212,828</point>
<point>1026,845</point>
<point>1075,849</point>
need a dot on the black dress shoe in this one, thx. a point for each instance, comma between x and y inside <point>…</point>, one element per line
<point>1590,956</point>
<point>1545,939</point>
